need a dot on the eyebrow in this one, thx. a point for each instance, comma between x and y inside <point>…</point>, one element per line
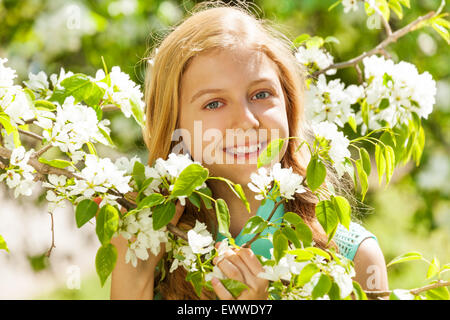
<point>205,91</point>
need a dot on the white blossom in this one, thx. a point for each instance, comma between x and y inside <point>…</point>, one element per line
<point>121,90</point>
<point>99,176</point>
<point>342,278</point>
<point>331,101</point>
<point>260,183</point>
<point>140,226</point>
<point>200,240</point>
<point>338,144</point>
<point>288,181</point>
<point>19,174</point>
<point>74,125</point>
<point>394,91</point>
<point>315,59</point>
<point>350,5</point>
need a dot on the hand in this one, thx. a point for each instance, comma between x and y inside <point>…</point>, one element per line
<point>242,265</point>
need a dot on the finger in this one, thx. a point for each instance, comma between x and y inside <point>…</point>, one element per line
<point>179,209</point>
<point>255,267</point>
<point>220,290</point>
<point>230,270</point>
<point>250,259</point>
<point>238,262</point>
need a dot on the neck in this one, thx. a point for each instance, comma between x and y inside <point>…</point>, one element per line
<point>238,212</point>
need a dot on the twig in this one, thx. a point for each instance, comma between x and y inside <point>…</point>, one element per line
<point>31,134</point>
<point>386,25</point>
<point>53,238</point>
<point>256,236</point>
<point>417,291</point>
<point>391,38</point>
<point>43,169</point>
<point>41,151</point>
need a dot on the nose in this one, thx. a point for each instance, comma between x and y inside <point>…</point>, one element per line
<point>245,116</point>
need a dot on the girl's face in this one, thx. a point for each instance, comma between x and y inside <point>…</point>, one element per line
<point>231,105</point>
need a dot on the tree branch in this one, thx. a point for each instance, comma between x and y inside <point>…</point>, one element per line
<point>53,237</point>
<point>43,169</point>
<point>256,236</point>
<point>393,37</point>
<point>417,291</point>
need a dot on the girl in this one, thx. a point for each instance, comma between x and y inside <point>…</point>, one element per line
<point>222,69</point>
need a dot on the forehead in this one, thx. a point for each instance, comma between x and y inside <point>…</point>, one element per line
<point>228,66</point>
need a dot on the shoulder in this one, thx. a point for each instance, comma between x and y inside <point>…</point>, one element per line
<point>370,266</point>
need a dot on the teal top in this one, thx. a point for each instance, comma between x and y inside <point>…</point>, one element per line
<point>348,241</point>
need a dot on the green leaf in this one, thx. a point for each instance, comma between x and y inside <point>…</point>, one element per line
<point>44,105</point>
<point>301,39</point>
<point>327,216</point>
<point>138,112</point>
<point>57,163</point>
<point>440,293</point>
<point>319,252</point>
<point>397,8</point>
<point>151,201</point>
<point>85,211</point>
<point>193,176</point>
<point>306,274</point>
<point>270,152</point>
<point>238,188</point>
<point>280,245</point>
<point>405,3</point>
<point>291,235</point>
<point>365,112</point>
<point>196,278</point>
<point>409,256</point>
<point>343,210</point>
<point>335,292</point>
<point>380,161</point>
<point>332,39</point>
<point>3,245</point>
<point>383,104</point>
<point>292,218</point>
<point>365,159</point>
<point>91,148</point>
<point>105,261</point>
<point>204,193</point>
<point>384,8</point>
<point>322,287</point>
<point>107,223</point>
<point>223,217</point>
<point>5,121</point>
<point>234,287</point>
<point>81,88</point>
<point>390,162</point>
<point>138,174</point>
<point>304,233</point>
<point>315,173</point>
<point>359,292</point>
<point>334,5</point>
<point>254,225</point>
<point>433,268</point>
<point>419,146</point>
<point>162,214</point>
<point>107,137</point>
<point>352,123</point>
<point>195,199</point>
<point>301,254</point>
<point>314,42</point>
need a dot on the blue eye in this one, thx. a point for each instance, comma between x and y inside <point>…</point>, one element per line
<point>213,105</point>
<point>258,95</point>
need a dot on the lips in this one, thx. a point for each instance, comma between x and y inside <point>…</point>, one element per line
<point>246,150</point>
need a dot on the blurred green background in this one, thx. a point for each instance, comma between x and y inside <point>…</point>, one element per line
<point>411,214</point>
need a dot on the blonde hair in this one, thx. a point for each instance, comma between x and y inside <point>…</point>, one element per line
<point>211,26</point>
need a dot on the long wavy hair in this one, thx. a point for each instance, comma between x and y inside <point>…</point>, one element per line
<point>211,26</point>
